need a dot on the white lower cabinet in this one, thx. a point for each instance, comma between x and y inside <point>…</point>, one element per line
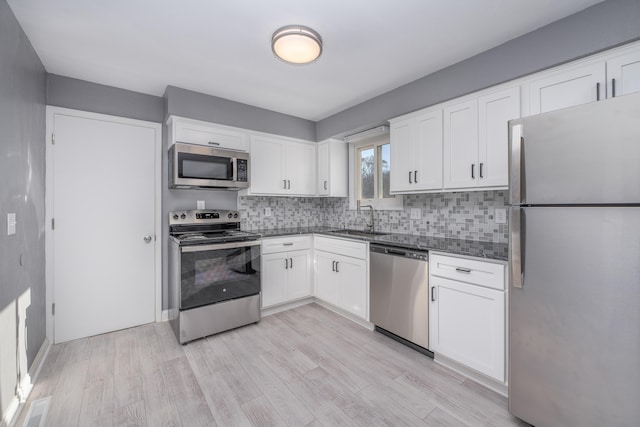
<point>286,275</point>
<point>342,280</point>
<point>467,313</point>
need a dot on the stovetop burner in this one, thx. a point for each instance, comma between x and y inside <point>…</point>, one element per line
<point>207,226</point>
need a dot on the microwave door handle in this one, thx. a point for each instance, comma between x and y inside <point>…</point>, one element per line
<point>234,169</point>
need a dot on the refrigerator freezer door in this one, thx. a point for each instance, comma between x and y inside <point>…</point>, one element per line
<point>582,155</point>
<point>574,326</point>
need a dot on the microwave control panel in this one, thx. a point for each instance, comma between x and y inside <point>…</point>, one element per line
<point>243,171</point>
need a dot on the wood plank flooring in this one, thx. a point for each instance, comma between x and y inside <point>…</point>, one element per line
<point>303,367</point>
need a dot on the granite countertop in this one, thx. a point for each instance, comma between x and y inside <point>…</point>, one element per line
<point>474,248</point>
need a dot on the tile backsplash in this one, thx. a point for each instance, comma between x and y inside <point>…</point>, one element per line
<point>464,215</point>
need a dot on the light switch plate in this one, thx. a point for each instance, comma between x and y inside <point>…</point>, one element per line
<point>11,224</point>
<point>267,211</point>
<point>200,204</point>
<point>501,216</point>
<point>416,213</point>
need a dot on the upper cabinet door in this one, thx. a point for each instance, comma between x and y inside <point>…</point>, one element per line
<point>323,169</point>
<point>402,138</point>
<point>267,166</point>
<point>300,164</point>
<point>568,88</point>
<point>494,112</point>
<point>461,145</point>
<point>428,152</point>
<point>623,75</point>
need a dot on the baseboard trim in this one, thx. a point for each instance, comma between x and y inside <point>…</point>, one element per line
<point>165,316</point>
<point>286,306</point>
<point>500,388</point>
<point>26,385</point>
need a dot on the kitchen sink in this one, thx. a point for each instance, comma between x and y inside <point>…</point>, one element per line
<point>359,233</point>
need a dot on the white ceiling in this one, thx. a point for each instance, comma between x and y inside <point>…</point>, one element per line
<point>222,47</point>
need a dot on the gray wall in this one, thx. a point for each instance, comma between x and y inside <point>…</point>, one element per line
<point>22,159</point>
<point>82,95</point>
<point>195,105</point>
<point>597,28</point>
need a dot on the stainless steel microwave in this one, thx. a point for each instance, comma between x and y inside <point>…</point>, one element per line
<point>201,167</point>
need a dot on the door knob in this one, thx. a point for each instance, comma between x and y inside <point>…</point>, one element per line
<point>147,239</point>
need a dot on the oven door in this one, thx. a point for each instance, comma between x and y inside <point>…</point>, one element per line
<point>219,272</point>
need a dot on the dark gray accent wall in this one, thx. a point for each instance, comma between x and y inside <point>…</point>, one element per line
<point>602,26</point>
<point>68,92</point>
<point>195,105</point>
<point>22,178</point>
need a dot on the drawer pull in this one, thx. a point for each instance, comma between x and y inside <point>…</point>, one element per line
<point>287,244</point>
<point>213,143</point>
<point>463,270</point>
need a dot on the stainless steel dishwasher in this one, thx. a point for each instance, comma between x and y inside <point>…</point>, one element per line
<point>399,295</point>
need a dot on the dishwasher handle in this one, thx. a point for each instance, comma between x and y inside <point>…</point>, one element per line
<point>405,253</point>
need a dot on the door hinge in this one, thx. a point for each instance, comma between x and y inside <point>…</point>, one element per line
<point>53,224</point>
<point>53,309</point>
<point>53,138</point>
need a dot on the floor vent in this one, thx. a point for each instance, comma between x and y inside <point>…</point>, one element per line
<point>37,413</point>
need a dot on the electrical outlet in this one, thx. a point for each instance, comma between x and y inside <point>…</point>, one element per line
<point>267,211</point>
<point>500,216</point>
<point>200,204</point>
<point>416,213</point>
<point>11,224</point>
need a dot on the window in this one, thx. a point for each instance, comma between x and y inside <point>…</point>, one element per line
<point>373,174</point>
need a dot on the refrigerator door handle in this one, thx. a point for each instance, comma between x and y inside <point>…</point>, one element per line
<point>516,153</point>
<point>516,244</point>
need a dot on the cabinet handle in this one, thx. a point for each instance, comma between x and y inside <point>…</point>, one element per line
<point>481,164</point>
<point>410,182</point>
<point>463,270</point>
<point>337,271</point>
<point>288,185</point>
<point>598,91</point>
<point>473,171</point>
<point>613,88</point>
<point>415,176</point>
<point>433,293</point>
<point>284,184</point>
<point>213,143</point>
<point>325,185</point>
<point>290,262</point>
<point>288,244</point>
<point>286,264</point>
<point>333,266</point>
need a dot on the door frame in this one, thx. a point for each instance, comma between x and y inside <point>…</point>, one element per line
<point>52,111</point>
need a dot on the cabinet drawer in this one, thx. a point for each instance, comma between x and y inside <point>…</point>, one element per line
<point>203,134</point>
<point>272,245</point>
<point>344,247</point>
<point>481,273</point>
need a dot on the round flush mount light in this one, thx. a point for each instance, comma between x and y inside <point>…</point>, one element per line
<point>296,44</point>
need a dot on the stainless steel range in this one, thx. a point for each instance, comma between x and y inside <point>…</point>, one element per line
<point>214,273</point>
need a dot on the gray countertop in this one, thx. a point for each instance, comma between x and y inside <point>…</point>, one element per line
<point>489,250</point>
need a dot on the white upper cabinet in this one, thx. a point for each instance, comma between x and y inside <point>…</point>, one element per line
<point>280,166</point>
<point>461,145</point>
<point>494,112</point>
<point>623,74</point>
<point>332,169</point>
<point>567,88</point>
<point>416,153</point>
<point>204,133</point>
<point>476,139</point>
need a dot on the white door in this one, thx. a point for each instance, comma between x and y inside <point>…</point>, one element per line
<point>461,145</point>
<point>623,75</point>
<point>274,278</point>
<point>323,169</point>
<point>571,87</point>
<point>300,161</point>
<point>494,112</point>
<point>352,287</point>
<point>267,167</point>
<point>326,278</point>
<point>402,139</point>
<point>103,192</point>
<point>299,275</point>
<point>428,151</point>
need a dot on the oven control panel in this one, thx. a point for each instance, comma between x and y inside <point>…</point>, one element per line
<point>203,216</point>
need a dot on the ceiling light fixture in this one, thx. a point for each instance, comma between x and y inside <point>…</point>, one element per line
<point>296,44</point>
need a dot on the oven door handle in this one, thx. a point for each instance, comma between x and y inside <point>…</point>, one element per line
<point>216,246</point>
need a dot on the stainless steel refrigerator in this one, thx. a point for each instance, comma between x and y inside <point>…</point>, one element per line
<point>574,296</point>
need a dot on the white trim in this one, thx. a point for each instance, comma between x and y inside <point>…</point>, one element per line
<point>51,112</point>
<point>286,306</point>
<point>17,404</point>
<point>164,317</point>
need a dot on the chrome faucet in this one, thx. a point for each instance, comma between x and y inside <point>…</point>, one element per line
<point>371,224</point>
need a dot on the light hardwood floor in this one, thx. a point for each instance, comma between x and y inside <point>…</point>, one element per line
<point>303,367</point>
